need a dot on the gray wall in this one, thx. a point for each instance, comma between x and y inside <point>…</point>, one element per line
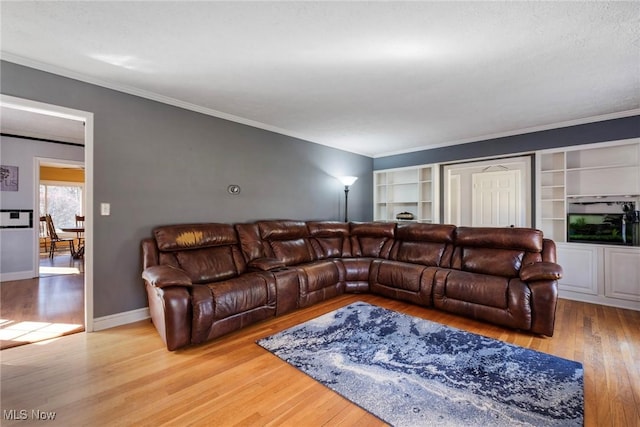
<point>17,245</point>
<point>608,130</point>
<point>159,164</point>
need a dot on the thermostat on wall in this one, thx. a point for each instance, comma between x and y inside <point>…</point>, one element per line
<point>16,218</point>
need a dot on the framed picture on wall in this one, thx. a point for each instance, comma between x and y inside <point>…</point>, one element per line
<point>8,178</point>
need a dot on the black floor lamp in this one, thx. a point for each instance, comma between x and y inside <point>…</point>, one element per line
<point>347,181</point>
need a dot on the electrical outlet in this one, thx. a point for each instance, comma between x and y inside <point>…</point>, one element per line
<point>105,209</point>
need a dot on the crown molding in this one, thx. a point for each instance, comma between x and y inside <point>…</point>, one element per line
<point>558,125</point>
<point>65,72</point>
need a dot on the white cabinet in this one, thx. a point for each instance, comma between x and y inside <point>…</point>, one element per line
<point>411,190</point>
<point>608,275</point>
<point>622,273</point>
<point>581,268</point>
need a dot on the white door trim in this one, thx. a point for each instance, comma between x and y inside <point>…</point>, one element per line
<point>466,168</point>
<point>87,117</point>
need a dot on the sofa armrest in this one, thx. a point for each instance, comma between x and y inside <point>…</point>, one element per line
<point>162,276</point>
<point>266,264</point>
<point>541,271</point>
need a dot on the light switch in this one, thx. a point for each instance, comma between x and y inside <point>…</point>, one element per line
<point>105,209</point>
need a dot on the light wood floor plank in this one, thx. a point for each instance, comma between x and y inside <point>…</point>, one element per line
<point>125,377</point>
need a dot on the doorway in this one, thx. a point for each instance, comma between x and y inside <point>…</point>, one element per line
<point>86,117</point>
<point>60,185</point>
<point>489,193</point>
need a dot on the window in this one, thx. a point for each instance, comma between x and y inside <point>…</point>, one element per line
<point>62,200</point>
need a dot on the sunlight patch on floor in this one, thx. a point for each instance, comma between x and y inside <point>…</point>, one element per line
<point>59,270</point>
<point>35,331</point>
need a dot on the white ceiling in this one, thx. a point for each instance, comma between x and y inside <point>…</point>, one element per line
<point>37,125</point>
<point>374,78</point>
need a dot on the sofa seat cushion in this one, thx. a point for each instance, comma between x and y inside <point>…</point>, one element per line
<point>356,269</point>
<point>319,280</point>
<point>319,274</point>
<point>402,281</point>
<point>477,296</point>
<point>356,273</point>
<point>398,275</point>
<point>476,288</point>
<point>251,292</point>
<point>241,294</point>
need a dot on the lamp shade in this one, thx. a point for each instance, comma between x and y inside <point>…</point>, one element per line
<point>348,180</point>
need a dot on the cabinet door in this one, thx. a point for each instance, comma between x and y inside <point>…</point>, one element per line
<point>580,265</point>
<point>622,273</point>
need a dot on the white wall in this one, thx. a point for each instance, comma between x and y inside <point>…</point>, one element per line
<point>17,245</point>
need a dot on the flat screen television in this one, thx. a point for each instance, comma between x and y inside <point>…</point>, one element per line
<point>598,228</point>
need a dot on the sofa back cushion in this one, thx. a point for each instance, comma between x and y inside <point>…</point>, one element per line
<point>250,242</point>
<point>496,251</point>
<point>206,252</point>
<point>208,264</point>
<point>372,239</point>
<point>287,241</point>
<point>426,244</point>
<point>329,239</point>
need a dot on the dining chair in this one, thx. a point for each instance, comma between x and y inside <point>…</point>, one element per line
<point>44,235</point>
<point>80,224</point>
<point>54,238</point>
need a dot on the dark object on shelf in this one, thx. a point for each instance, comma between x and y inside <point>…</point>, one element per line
<point>405,215</point>
<point>631,223</point>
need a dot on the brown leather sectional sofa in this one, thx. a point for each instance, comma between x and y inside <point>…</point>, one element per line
<point>206,280</point>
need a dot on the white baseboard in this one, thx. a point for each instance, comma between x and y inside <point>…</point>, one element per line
<point>600,300</point>
<point>17,275</point>
<point>118,319</point>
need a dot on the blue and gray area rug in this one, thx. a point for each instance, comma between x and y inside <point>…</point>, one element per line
<point>410,372</point>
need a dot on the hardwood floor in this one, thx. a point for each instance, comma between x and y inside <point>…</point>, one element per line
<point>125,376</point>
<point>45,307</point>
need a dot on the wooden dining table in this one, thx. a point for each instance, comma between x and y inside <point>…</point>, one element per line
<point>76,253</point>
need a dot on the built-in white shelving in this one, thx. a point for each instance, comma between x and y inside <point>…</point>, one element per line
<point>411,190</point>
<point>588,178</point>
<point>552,200</point>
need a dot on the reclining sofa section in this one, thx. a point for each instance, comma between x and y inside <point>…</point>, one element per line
<point>206,280</point>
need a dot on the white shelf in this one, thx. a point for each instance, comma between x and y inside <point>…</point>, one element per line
<point>412,189</point>
<point>594,168</point>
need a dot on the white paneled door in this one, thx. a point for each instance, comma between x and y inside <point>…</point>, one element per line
<point>496,199</point>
